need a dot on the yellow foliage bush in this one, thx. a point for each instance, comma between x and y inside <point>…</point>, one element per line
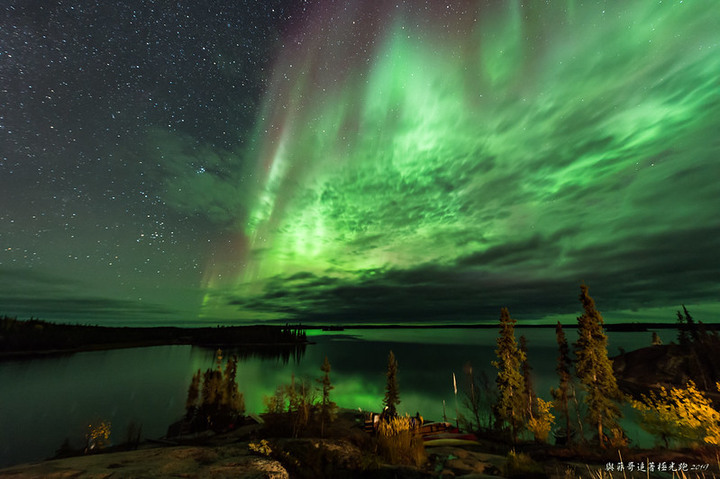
<point>399,443</point>
<point>97,435</point>
<point>262,448</point>
<point>685,415</point>
<point>542,422</point>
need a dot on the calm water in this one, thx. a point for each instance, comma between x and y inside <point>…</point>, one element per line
<point>44,401</point>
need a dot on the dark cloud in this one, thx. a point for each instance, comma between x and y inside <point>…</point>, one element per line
<point>626,277</point>
<point>514,253</point>
<point>25,293</point>
<point>70,308</point>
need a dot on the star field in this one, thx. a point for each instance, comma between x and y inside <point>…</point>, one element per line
<point>357,161</point>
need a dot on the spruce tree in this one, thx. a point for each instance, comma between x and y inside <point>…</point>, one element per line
<point>525,368</point>
<point>392,394</point>
<point>561,395</point>
<point>683,336</point>
<point>510,383</point>
<point>327,407</point>
<point>221,402</point>
<point>691,325</point>
<point>594,370</point>
<point>233,399</point>
<point>193,395</point>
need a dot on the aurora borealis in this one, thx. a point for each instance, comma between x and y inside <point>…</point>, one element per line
<point>362,162</point>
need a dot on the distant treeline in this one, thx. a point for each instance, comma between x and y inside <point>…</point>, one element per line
<point>34,335</point>
<point>628,327</point>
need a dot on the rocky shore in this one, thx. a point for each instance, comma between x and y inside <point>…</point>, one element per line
<point>345,453</point>
<point>304,458</point>
<point>667,365</point>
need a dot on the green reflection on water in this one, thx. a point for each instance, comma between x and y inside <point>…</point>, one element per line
<point>57,396</point>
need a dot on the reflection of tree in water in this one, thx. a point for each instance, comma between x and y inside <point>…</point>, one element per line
<point>283,353</point>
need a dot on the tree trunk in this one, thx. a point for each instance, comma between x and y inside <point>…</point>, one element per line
<point>567,421</point>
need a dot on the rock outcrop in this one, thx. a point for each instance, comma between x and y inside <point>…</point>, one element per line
<point>668,365</point>
<point>231,461</point>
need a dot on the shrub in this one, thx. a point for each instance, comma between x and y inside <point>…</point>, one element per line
<point>290,407</point>
<point>97,436</point>
<point>301,400</point>
<point>263,447</point>
<point>275,404</point>
<point>684,415</point>
<point>541,423</point>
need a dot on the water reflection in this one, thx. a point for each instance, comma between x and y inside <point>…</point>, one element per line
<point>51,399</point>
<point>284,354</point>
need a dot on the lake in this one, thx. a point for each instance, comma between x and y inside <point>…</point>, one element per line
<point>44,401</point>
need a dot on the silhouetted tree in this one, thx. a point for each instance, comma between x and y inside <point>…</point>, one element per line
<point>683,337</point>
<point>211,392</point>
<point>704,347</point>
<point>221,403</point>
<point>327,407</point>
<point>561,395</point>
<point>392,393</point>
<point>594,370</point>
<point>232,399</point>
<point>477,396</point>
<point>510,405</point>
<point>300,402</point>
<point>692,327</point>
<point>193,395</point>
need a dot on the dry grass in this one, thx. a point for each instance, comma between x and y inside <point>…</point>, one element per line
<point>398,443</point>
<point>520,464</point>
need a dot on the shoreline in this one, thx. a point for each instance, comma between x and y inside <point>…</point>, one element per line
<point>35,338</point>
<point>28,339</point>
<point>613,327</point>
<point>342,450</point>
<point>42,353</point>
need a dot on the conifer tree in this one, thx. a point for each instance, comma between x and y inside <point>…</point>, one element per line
<point>510,384</point>
<point>392,394</point>
<point>527,380</point>
<point>561,395</point>
<point>683,337</point>
<point>233,399</point>
<point>211,391</point>
<point>327,407</point>
<point>300,401</point>
<point>691,325</point>
<point>594,370</point>
<point>221,401</point>
<point>193,394</point>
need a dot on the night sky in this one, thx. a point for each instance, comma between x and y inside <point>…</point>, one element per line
<point>352,161</point>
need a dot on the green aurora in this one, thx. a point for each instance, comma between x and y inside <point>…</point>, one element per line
<point>409,167</point>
